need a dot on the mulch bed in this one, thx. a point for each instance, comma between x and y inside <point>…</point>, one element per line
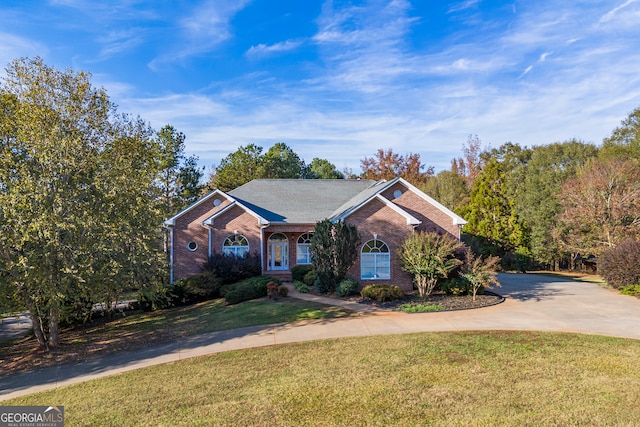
<point>444,301</point>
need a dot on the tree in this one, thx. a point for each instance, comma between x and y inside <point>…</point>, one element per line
<point>538,197</point>
<point>448,188</point>
<point>624,141</point>
<point>238,168</point>
<point>481,273</point>
<point>281,162</point>
<point>189,182</point>
<point>491,212</point>
<point>322,169</point>
<point>333,250</point>
<point>389,165</point>
<point>471,163</point>
<point>179,179</point>
<point>601,206</point>
<point>248,163</point>
<point>76,195</point>
<point>428,257</point>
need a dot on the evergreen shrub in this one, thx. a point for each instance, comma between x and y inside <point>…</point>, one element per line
<point>299,271</point>
<point>382,293</point>
<point>347,287</point>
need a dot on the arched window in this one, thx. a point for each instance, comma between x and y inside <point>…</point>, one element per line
<point>236,245</point>
<point>303,255</point>
<point>375,261</point>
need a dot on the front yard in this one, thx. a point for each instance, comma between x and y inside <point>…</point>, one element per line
<point>437,379</point>
<point>137,329</point>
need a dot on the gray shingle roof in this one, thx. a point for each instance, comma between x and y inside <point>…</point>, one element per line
<point>302,201</point>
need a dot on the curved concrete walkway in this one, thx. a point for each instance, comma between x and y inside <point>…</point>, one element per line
<point>533,302</point>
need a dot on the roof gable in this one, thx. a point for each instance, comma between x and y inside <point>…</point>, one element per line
<point>363,199</point>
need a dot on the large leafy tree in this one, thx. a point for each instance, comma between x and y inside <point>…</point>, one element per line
<point>333,250</point>
<point>624,141</point>
<point>238,168</point>
<point>280,161</point>
<point>322,169</point>
<point>448,188</point>
<point>428,257</point>
<point>388,165</point>
<point>601,206</point>
<point>76,195</point>
<point>538,198</point>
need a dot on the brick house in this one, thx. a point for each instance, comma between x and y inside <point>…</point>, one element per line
<point>276,218</point>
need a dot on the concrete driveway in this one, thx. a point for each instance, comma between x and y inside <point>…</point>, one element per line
<point>533,302</point>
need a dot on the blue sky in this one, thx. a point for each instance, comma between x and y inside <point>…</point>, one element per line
<point>340,79</point>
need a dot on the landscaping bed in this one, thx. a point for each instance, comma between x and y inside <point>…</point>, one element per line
<point>435,302</point>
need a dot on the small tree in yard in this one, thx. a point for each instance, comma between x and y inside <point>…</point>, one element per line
<point>333,251</point>
<point>481,273</point>
<point>428,257</point>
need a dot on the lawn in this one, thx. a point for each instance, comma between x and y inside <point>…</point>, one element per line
<point>440,379</point>
<point>142,329</point>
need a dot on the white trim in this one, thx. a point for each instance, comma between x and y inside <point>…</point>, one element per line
<point>210,220</point>
<point>411,220</point>
<point>457,220</point>
<point>172,221</point>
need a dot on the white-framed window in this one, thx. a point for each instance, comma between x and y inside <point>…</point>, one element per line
<point>303,255</point>
<point>236,245</point>
<point>192,246</point>
<point>375,260</point>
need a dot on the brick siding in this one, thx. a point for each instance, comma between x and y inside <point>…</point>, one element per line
<point>373,218</point>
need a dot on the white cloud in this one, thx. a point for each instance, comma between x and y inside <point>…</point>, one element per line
<point>613,13</point>
<point>458,7</point>
<point>262,50</point>
<point>12,47</point>
<point>202,30</point>
<point>116,42</point>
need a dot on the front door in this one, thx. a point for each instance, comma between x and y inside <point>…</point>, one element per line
<point>278,256</point>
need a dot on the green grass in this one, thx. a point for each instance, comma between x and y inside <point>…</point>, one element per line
<point>440,379</point>
<point>137,330</point>
<point>212,316</point>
